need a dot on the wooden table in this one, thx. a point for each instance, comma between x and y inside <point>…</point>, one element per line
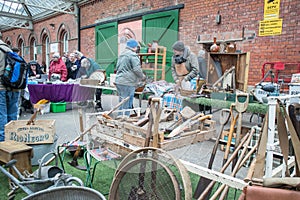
<point>114,90</point>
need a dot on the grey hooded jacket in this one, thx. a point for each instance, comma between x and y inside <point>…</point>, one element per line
<point>129,71</point>
<point>191,65</point>
<point>3,48</point>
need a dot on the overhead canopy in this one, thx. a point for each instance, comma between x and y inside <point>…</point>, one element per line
<point>22,13</point>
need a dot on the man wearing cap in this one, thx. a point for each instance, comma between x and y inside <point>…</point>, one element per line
<point>8,98</point>
<point>129,74</point>
<point>184,63</point>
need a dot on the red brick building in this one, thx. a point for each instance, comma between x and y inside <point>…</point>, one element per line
<point>197,22</point>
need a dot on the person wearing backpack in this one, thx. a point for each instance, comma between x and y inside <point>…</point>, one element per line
<point>9,98</point>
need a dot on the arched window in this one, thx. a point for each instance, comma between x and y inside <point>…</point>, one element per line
<point>45,51</point>
<point>64,48</point>
<point>21,47</point>
<point>33,52</point>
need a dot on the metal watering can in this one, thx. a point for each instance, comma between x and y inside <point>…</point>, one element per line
<point>46,172</point>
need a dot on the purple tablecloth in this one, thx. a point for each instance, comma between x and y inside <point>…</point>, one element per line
<point>60,92</point>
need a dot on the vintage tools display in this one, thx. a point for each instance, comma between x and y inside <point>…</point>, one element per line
<point>203,182</point>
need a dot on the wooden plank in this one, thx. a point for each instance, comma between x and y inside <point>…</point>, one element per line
<point>214,175</point>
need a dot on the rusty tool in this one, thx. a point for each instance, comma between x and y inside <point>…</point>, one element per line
<point>204,182</point>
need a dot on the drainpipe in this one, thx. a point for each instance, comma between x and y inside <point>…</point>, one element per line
<point>77,11</point>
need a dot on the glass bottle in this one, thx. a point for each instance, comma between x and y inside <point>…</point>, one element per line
<point>214,47</point>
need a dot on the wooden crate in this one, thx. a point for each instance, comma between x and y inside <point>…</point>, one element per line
<point>21,152</point>
<point>89,82</point>
<point>42,132</point>
<point>137,136</point>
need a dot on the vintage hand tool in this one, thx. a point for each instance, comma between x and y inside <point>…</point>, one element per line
<point>234,154</point>
<point>240,107</point>
<point>106,114</point>
<point>204,182</point>
<point>230,134</point>
<point>183,126</point>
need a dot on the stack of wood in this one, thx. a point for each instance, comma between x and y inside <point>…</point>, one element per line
<point>160,127</point>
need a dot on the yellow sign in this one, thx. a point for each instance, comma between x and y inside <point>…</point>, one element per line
<point>270,27</point>
<point>271,9</point>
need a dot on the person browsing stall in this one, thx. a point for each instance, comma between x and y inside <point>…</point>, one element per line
<point>8,98</point>
<point>34,70</point>
<point>129,74</point>
<point>88,66</point>
<point>184,63</point>
<point>57,68</point>
<point>72,67</point>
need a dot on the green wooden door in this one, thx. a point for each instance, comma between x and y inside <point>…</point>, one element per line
<point>163,27</point>
<point>107,46</point>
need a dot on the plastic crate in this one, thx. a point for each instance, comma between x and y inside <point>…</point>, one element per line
<point>58,107</point>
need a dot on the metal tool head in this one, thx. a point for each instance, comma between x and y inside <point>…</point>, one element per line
<point>241,102</point>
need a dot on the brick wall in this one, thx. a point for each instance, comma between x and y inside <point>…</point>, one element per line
<point>197,20</point>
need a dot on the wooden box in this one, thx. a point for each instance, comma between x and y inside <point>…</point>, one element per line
<point>23,153</point>
<point>137,138</point>
<point>92,82</point>
<point>42,132</point>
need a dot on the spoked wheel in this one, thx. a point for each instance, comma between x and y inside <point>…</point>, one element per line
<point>150,173</point>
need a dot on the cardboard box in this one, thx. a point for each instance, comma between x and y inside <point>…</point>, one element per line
<point>43,132</point>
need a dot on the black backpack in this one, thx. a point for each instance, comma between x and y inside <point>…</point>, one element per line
<point>15,72</point>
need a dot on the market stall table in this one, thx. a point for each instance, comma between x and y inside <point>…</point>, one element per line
<point>60,92</point>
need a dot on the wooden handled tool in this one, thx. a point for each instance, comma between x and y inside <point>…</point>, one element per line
<point>204,182</point>
<point>234,154</point>
<point>224,188</point>
<point>184,125</point>
<point>106,114</point>
<point>230,134</point>
<point>240,106</point>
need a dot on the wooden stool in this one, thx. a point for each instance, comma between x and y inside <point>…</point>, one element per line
<point>21,152</point>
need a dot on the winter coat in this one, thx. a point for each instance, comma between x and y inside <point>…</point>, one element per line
<point>58,67</point>
<point>3,48</point>
<point>129,71</point>
<point>71,73</point>
<point>191,64</point>
<point>38,71</point>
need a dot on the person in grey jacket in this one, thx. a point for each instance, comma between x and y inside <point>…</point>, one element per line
<point>129,74</point>
<point>8,98</point>
<point>184,63</point>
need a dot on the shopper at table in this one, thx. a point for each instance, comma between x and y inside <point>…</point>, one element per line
<point>8,98</point>
<point>72,67</point>
<point>79,57</point>
<point>57,68</point>
<point>184,64</point>
<point>34,70</point>
<point>88,66</point>
<point>129,74</point>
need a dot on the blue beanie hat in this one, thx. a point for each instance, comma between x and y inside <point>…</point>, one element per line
<point>132,43</point>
